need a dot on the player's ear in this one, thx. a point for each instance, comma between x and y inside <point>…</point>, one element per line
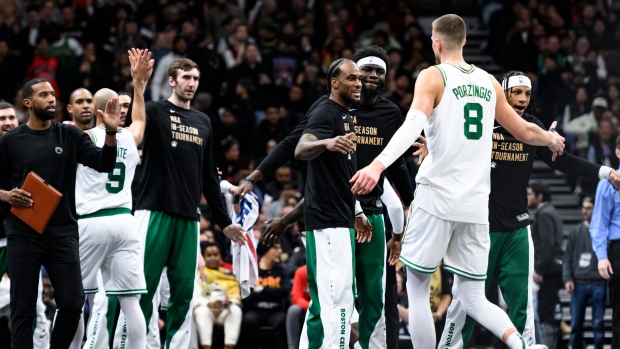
<point>27,103</point>
<point>171,81</point>
<point>69,108</point>
<point>618,153</point>
<point>334,83</point>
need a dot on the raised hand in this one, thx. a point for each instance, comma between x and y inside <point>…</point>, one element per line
<point>112,115</point>
<point>141,65</point>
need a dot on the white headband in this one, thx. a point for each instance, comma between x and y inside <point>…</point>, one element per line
<point>371,60</point>
<point>518,80</point>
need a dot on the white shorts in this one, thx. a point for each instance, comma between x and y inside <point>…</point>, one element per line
<point>112,243</point>
<point>464,247</point>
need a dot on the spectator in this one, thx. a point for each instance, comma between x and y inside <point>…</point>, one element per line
<point>548,236</point>
<point>585,124</point>
<point>288,190</point>
<point>266,305</point>
<point>605,233</point>
<point>228,163</point>
<point>217,300</point>
<point>44,66</point>
<point>583,281</point>
<point>272,127</point>
<point>233,50</point>
<point>296,313</point>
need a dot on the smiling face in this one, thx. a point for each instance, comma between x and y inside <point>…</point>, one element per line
<point>8,120</point>
<point>519,98</point>
<point>213,258</point>
<point>347,85</point>
<point>373,80</point>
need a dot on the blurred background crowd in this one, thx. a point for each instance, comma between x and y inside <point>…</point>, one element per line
<point>263,63</point>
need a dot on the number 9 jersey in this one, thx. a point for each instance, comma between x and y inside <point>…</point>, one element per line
<point>95,191</point>
<point>455,177</point>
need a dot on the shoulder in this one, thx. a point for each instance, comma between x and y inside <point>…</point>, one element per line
<point>200,115</point>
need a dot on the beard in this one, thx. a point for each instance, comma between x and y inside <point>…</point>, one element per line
<point>368,93</point>
<point>181,95</point>
<point>43,113</point>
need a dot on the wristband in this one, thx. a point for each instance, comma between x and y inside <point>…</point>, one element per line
<point>604,172</point>
<point>110,133</point>
<point>250,179</point>
<point>358,209</point>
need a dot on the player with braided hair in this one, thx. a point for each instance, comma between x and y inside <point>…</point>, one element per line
<point>511,256</point>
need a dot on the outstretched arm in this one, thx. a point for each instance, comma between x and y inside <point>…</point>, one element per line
<point>428,91</point>
<point>524,131</point>
<point>141,70</point>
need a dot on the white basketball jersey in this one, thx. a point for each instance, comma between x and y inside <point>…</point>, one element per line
<point>454,180</point>
<point>96,191</point>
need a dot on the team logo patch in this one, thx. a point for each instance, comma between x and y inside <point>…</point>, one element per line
<point>520,79</point>
<point>171,111</point>
<point>58,150</point>
<point>174,144</point>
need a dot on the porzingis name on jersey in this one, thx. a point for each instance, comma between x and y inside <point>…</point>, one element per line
<point>472,91</point>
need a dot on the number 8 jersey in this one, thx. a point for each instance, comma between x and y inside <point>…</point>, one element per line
<point>454,180</point>
<point>95,191</point>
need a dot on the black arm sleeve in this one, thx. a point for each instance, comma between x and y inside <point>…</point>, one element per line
<point>569,163</point>
<point>284,151</point>
<point>400,177</point>
<point>211,186</point>
<point>100,159</point>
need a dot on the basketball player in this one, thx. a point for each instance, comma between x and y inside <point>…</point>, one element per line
<point>80,108</point>
<point>178,165</point>
<point>376,119</point>
<point>124,100</point>
<point>109,239</point>
<point>449,218</point>
<point>327,144</point>
<point>511,256</point>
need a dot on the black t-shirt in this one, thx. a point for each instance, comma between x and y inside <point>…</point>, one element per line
<point>271,291</point>
<point>53,154</point>
<point>285,150</point>
<point>511,167</point>
<point>374,127</point>
<point>329,200</point>
<point>178,163</point>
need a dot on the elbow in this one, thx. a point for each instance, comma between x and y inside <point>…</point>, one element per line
<point>299,153</point>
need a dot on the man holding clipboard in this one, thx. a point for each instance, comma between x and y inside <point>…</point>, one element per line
<point>52,151</point>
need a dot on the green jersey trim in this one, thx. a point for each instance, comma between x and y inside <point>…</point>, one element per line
<point>443,75</point>
<point>463,70</point>
<point>106,212</point>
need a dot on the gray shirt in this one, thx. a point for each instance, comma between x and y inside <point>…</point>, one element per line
<point>580,262</point>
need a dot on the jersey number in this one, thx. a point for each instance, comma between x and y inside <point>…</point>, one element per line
<point>117,179</point>
<point>473,121</point>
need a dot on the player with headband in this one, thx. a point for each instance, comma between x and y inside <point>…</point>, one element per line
<point>511,257</point>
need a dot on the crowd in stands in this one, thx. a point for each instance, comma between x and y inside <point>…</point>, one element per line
<point>263,63</point>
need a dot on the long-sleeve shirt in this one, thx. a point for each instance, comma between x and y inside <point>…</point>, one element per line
<point>512,162</point>
<point>547,235</point>
<point>605,225</point>
<point>299,293</point>
<point>54,155</point>
<point>579,262</point>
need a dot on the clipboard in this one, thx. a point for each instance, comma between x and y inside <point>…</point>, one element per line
<point>45,199</point>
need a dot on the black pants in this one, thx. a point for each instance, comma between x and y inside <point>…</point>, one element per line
<point>255,318</point>
<point>548,298</point>
<point>61,259</point>
<point>613,252</point>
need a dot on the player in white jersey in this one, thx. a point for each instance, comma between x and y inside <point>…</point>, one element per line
<point>109,238</point>
<point>449,216</point>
